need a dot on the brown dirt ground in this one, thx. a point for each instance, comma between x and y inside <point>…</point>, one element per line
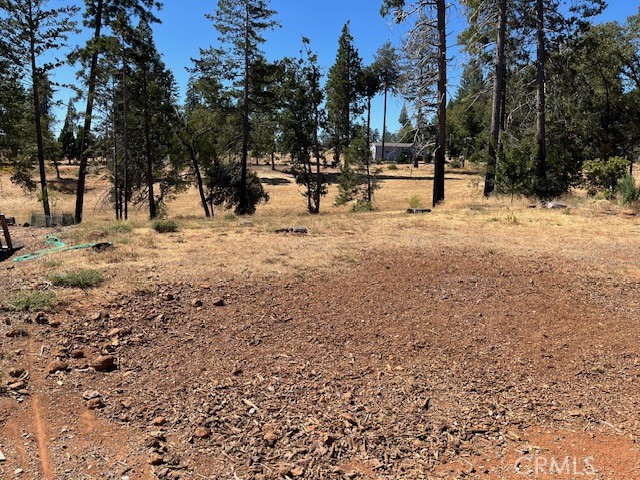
<point>483,341</point>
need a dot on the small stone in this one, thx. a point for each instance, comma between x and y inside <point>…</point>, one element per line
<point>103,363</point>
<point>117,332</point>
<point>41,319</point>
<point>57,366</point>
<point>297,471</point>
<point>156,459</point>
<point>77,354</point>
<point>172,460</point>
<point>2,457</point>
<point>152,442</point>
<point>158,421</point>
<point>201,432</point>
<point>169,297</point>
<point>17,385</point>
<point>16,372</point>
<point>96,316</point>
<point>18,471</point>
<point>95,403</point>
<point>219,303</point>
<point>196,302</point>
<point>91,394</point>
<point>55,323</point>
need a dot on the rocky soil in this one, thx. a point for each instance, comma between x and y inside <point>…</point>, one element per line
<point>412,365</point>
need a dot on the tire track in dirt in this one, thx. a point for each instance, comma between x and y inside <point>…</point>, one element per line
<point>39,420</point>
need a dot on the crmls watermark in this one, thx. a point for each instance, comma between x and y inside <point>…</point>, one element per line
<point>537,465</point>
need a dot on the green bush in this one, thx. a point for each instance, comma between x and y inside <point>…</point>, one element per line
<point>81,279</point>
<point>165,226</point>
<point>31,301</point>
<point>629,192</point>
<point>415,201</point>
<point>604,175</point>
<point>455,163</point>
<point>393,166</point>
<point>118,228</point>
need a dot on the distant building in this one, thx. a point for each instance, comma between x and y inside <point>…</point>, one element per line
<point>393,152</point>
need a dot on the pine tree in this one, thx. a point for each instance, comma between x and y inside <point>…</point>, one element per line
<point>343,101</point>
<point>99,15</point>
<point>67,136</point>
<point>387,65</point>
<point>241,24</point>
<point>31,30</point>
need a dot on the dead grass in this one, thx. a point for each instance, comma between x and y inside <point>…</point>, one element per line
<point>226,246</point>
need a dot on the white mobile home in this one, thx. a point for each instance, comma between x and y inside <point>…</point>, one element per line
<point>393,152</point>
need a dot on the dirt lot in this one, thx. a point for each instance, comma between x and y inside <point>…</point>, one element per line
<point>484,340</point>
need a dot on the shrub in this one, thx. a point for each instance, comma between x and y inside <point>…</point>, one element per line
<point>455,163</point>
<point>604,175</point>
<point>118,228</point>
<point>81,279</point>
<point>224,185</point>
<point>31,301</point>
<point>415,201</point>
<point>393,166</point>
<point>629,192</point>
<point>165,226</point>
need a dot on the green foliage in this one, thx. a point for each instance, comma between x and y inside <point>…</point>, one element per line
<point>115,228</point>
<point>81,279</point>
<point>343,100</point>
<point>455,163</point>
<point>165,226</point>
<point>357,180</point>
<point>415,201</point>
<point>31,301</point>
<point>629,192</point>
<point>392,166</point>
<point>224,182</point>
<point>604,175</point>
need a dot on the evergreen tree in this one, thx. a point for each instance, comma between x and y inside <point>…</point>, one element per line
<point>99,15</point>
<point>31,30</point>
<point>343,101</point>
<point>67,136</point>
<point>241,24</point>
<point>387,65</point>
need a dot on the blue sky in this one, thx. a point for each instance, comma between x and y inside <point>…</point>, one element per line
<point>184,30</point>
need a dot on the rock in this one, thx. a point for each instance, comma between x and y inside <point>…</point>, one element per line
<point>156,459</point>
<point>41,319</point>
<point>201,432</point>
<point>296,230</point>
<point>57,366</point>
<point>103,363</point>
<point>152,442</point>
<point>55,323</point>
<point>219,303</point>
<point>95,403</point>
<point>117,332</point>
<point>418,210</point>
<point>172,460</point>
<point>297,471</point>
<point>554,205</point>
<point>17,385</point>
<point>270,438</point>
<point>158,421</point>
<point>16,372</point>
<point>18,471</point>
<point>91,394</point>
<point>77,354</point>
<point>196,302</point>
<point>95,316</point>
<point>2,457</point>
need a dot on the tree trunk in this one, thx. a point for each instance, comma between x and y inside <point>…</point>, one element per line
<point>35,79</point>
<point>369,191</point>
<point>82,173</point>
<point>116,178</point>
<point>316,143</point>
<point>438,177</point>
<point>243,207</point>
<point>499,87</point>
<point>273,160</point>
<point>148,153</point>
<point>196,169</point>
<point>541,134</point>
<point>125,137</point>
<point>384,122</point>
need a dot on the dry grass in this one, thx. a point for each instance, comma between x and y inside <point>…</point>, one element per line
<point>591,231</point>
